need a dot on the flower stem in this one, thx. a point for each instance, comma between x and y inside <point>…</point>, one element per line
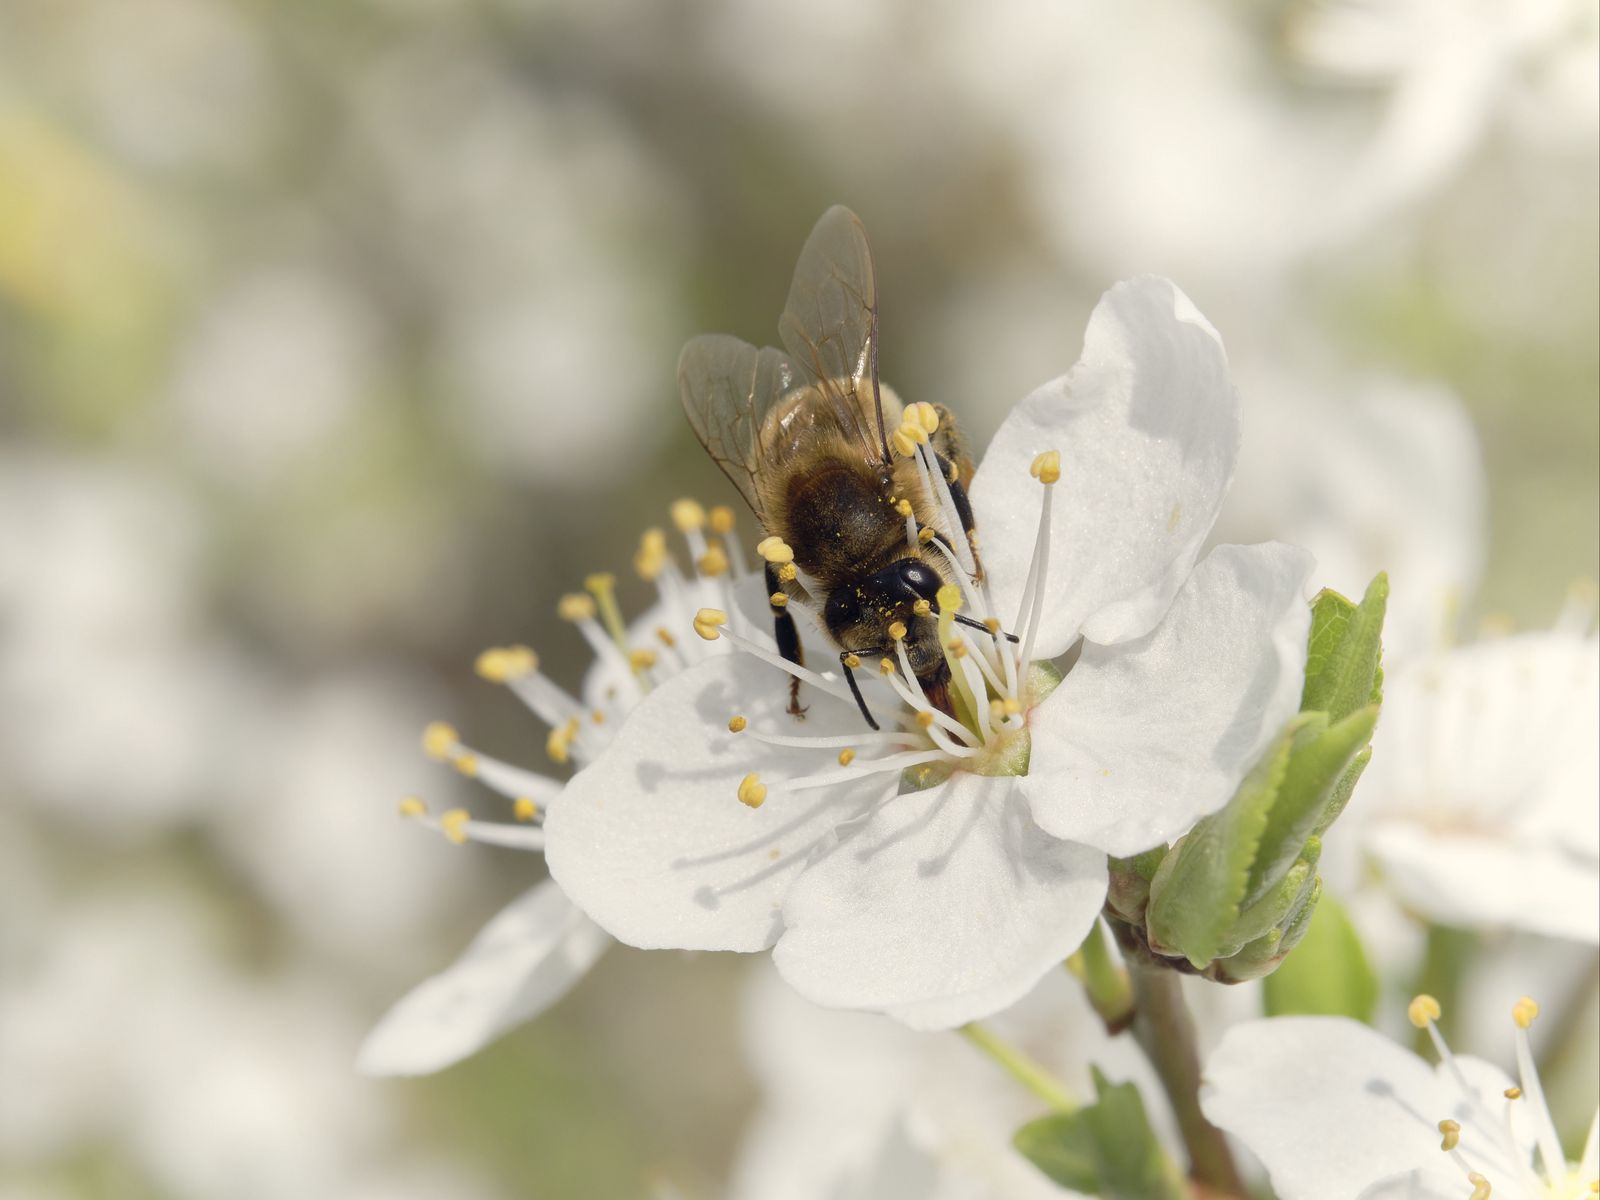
<point>1165,1031</point>
<point>1104,980</point>
<point>1020,1067</point>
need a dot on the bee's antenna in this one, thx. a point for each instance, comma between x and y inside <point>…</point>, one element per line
<point>970,623</point>
<point>855,688</point>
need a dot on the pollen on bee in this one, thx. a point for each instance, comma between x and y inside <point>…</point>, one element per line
<point>575,606</point>
<point>721,518</point>
<point>714,561</point>
<point>778,599</point>
<point>775,550</point>
<point>651,558</point>
<point>524,809</point>
<point>438,740</point>
<point>737,724</point>
<point>897,630</point>
<point>412,806</point>
<point>1046,467</point>
<point>903,507</point>
<point>707,621</point>
<point>752,792</point>
<point>1423,1009</point>
<point>846,757</point>
<point>453,825</point>
<point>688,515</point>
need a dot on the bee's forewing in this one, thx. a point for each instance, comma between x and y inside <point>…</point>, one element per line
<point>726,387</point>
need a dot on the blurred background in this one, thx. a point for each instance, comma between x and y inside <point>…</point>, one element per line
<point>338,341</point>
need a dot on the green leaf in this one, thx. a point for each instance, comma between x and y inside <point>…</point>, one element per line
<point>1328,974</point>
<point>1272,909</point>
<point>1103,1149</point>
<point>1343,790</point>
<point>1318,762</point>
<point>1344,652</point>
<point>1197,890</point>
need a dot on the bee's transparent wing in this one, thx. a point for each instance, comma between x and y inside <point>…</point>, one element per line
<point>830,326</point>
<point>727,387</point>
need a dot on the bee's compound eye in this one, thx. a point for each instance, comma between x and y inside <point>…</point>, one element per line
<point>920,578</point>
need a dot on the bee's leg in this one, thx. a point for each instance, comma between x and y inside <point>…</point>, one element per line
<point>953,475</point>
<point>787,635</point>
<point>855,688</point>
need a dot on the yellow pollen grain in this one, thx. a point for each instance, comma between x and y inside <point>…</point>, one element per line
<point>775,550</point>
<point>788,572</point>
<point>1513,1093</point>
<point>778,599</point>
<point>925,720</point>
<point>924,415</point>
<point>846,757</point>
<point>524,809</point>
<point>722,519</point>
<point>1481,1189</point>
<point>752,792</point>
<point>925,535</point>
<point>576,606</point>
<point>707,621</point>
<point>1046,467</point>
<point>897,630</point>
<point>664,636</point>
<point>1423,1009</point>
<point>642,659</point>
<point>1452,1134</point>
<point>466,763</point>
<point>737,724</point>
<point>651,558</point>
<point>1524,1011</point>
<point>453,825</point>
<point>438,740</point>
<point>903,508</point>
<point>688,515</point>
<point>852,661</point>
<point>714,561</point>
<point>412,806</point>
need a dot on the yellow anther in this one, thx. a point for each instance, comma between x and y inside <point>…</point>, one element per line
<point>924,415</point>
<point>897,630</point>
<point>846,757</point>
<point>752,792</point>
<point>924,720</point>
<point>1011,705</point>
<point>992,624</point>
<point>778,599</point>
<point>1481,1190</point>
<point>665,637</point>
<point>788,572</point>
<point>1524,1011</point>
<point>925,535</point>
<point>642,659</point>
<point>651,558</point>
<point>600,582</point>
<point>922,608</point>
<point>852,661</point>
<point>707,621</point>
<point>775,550</point>
<point>1046,467</point>
<point>886,666</point>
<point>903,443</point>
<point>949,598</point>
<point>737,724</point>
<point>598,717</point>
<point>1452,1134</point>
<point>997,710</point>
<point>559,744</point>
<point>1594,1187</point>
<point>903,507</point>
<point>1422,1010</point>
<point>466,763</point>
<point>453,825</point>
<point>524,809</point>
<point>958,649</point>
<point>1513,1093</point>
<point>412,806</point>
<point>714,561</point>
<point>501,664</point>
<point>439,740</point>
<point>914,432</point>
<point>722,519</point>
<point>575,606</point>
<point>688,515</point>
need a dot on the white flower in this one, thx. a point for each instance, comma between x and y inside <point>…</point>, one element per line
<point>947,902</point>
<point>1480,802</point>
<point>536,949</point>
<point>1334,1109</point>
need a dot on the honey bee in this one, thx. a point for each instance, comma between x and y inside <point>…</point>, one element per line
<point>805,435</point>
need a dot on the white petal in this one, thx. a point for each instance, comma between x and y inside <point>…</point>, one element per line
<point>651,840</point>
<point>1481,881</point>
<point>521,963</point>
<point>1332,1107</point>
<point>1143,739</point>
<point>942,907</point>
<point>1147,425</point>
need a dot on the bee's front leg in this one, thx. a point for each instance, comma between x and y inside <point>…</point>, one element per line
<point>786,633</point>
